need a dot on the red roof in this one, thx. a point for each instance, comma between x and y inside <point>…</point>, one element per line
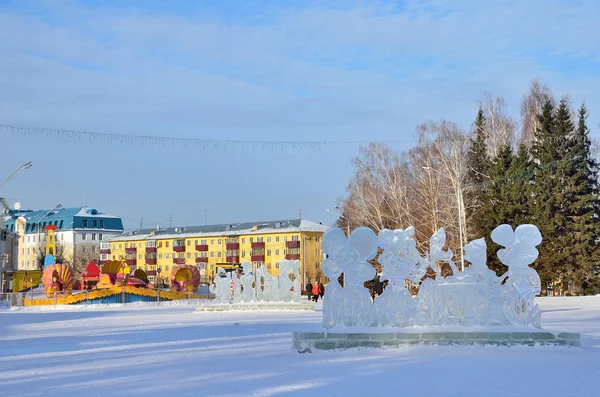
<point>92,270</point>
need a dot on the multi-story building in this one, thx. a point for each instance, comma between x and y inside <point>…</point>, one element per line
<point>9,251</point>
<point>261,243</point>
<point>79,232</point>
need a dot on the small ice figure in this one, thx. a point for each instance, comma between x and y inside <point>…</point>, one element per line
<point>399,258</point>
<point>289,269</point>
<point>246,281</point>
<point>349,256</point>
<point>522,282</point>
<point>221,286</point>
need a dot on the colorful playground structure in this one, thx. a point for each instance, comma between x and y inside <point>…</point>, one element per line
<point>112,283</point>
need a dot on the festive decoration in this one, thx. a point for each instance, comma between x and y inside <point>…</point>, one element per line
<point>185,278</point>
<point>475,297</point>
<point>58,279</point>
<point>195,143</point>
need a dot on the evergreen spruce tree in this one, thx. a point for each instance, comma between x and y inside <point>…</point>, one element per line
<point>478,170</point>
<point>498,208</point>
<point>546,151</point>
<point>520,175</point>
<point>583,209</point>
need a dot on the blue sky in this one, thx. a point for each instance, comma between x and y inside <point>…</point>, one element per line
<point>260,70</point>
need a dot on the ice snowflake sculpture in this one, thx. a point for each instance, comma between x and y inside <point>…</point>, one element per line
<point>350,304</point>
<point>399,259</point>
<point>475,297</point>
<point>522,282</point>
<point>266,285</point>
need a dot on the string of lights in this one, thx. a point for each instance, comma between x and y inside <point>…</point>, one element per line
<point>194,143</point>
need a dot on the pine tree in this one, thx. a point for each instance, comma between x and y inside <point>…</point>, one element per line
<point>478,170</point>
<point>546,152</point>
<point>583,198</point>
<point>498,208</point>
<point>520,174</point>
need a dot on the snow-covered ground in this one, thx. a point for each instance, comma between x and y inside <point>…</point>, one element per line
<point>172,350</point>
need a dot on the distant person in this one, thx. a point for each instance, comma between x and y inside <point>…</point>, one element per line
<point>309,288</point>
<point>321,290</point>
<point>316,291</point>
<point>377,287</point>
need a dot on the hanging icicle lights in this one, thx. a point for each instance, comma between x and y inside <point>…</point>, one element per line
<point>195,143</point>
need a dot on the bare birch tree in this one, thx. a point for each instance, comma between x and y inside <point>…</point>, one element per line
<point>531,107</point>
<point>499,127</point>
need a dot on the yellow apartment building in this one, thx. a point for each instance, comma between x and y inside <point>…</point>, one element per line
<point>210,246</point>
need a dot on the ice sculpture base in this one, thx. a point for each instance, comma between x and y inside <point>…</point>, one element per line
<point>306,342</point>
<point>245,306</point>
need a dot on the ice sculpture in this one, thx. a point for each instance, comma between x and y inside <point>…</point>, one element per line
<point>522,282</point>
<point>350,305</point>
<point>221,287</point>
<point>475,297</point>
<point>289,291</point>
<point>399,260</point>
<point>258,285</point>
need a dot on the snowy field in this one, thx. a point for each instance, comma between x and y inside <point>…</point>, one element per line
<point>173,351</point>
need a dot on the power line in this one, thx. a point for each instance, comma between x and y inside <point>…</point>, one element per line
<point>194,143</point>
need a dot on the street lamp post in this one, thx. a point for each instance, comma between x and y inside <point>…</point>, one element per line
<point>341,213</point>
<point>84,274</point>
<point>21,168</point>
<point>2,257</point>
<point>158,286</point>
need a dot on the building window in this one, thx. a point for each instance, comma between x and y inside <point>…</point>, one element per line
<point>268,239</point>
<point>212,242</point>
<point>100,236</point>
<point>166,256</point>
<point>195,255</point>
<point>219,254</point>
<point>189,254</point>
<point>260,239</point>
<point>219,241</point>
<point>212,254</point>
<point>251,240</point>
<point>284,238</point>
<point>84,237</point>
<point>101,224</point>
<point>140,256</point>
<point>94,223</point>
<point>277,252</point>
<point>189,242</point>
<point>84,223</point>
<point>318,265</point>
<point>243,254</point>
<point>195,242</point>
<point>159,256</point>
<point>120,246</point>
<point>295,238</point>
<point>268,265</point>
<point>268,252</point>
<point>276,239</point>
<point>243,240</point>
<point>318,239</point>
<point>93,236</point>
<point>277,265</point>
<point>167,267</point>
